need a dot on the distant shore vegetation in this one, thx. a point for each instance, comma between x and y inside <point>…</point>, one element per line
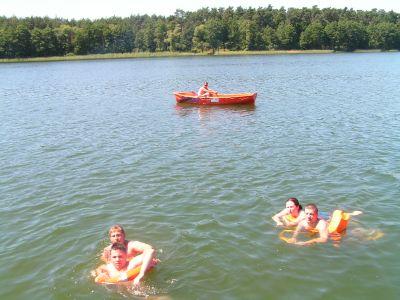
<point>203,32</point>
<point>165,54</point>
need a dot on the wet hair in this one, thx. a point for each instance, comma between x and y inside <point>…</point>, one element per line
<point>116,227</point>
<point>312,206</point>
<point>296,202</point>
<point>119,246</point>
<point>205,83</point>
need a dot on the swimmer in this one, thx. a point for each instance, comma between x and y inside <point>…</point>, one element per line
<point>138,253</point>
<point>117,267</point>
<point>291,215</point>
<point>311,223</point>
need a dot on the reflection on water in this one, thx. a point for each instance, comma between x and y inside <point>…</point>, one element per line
<point>367,234</point>
<point>208,111</point>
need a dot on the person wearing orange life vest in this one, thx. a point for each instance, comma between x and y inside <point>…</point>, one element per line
<point>204,91</point>
<point>291,215</point>
<point>311,223</point>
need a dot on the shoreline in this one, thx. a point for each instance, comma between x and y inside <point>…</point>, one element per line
<point>176,54</point>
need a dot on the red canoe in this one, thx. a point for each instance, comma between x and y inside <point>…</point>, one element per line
<point>217,99</point>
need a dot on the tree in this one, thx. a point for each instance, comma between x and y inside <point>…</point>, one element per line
<point>65,36</point>
<point>286,35</point>
<point>22,41</point>
<point>351,35</point>
<point>149,36</point>
<point>384,36</point>
<point>214,33</point>
<point>251,37</point>
<point>45,42</point>
<point>81,41</point>
<point>269,38</point>
<point>96,33</point>
<point>7,42</point>
<point>161,35</point>
<point>346,35</point>
<point>234,36</point>
<point>200,38</point>
<point>279,17</point>
<point>314,37</point>
<point>140,43</point>
<point>173,38</point>
<point>299,19</point>
<point>332,35</point>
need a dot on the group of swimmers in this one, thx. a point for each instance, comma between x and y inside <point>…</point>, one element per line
<point>122,256</point>
<point>304,220</point>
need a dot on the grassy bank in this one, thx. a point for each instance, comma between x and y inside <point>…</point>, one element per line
<point>166,54</point>
<point>98,56</point>
<point>273,52</point>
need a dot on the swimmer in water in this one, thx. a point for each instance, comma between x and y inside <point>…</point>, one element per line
<point>291,215</point>
<point>311,223</point>
<point>117,267</point>
<point>137,253</point>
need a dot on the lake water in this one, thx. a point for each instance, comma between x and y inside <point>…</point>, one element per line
<point>87,144</point>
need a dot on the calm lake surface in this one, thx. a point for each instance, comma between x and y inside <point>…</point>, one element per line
<point>87,144</point>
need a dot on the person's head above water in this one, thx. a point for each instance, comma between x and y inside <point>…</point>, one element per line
<point>205,83</point>
<point>117,234</point>
<point>311,212</point>
<point>293,205</point>
<point>118,256</point>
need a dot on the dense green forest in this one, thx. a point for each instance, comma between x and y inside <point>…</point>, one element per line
<point>204,30</point>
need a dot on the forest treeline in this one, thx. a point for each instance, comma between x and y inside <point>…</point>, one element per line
<point>203,30</point>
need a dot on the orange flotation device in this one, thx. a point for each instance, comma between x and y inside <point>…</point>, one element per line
<point>339,221</point>
<point>130,275</point>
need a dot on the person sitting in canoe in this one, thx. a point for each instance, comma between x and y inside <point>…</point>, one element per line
<point>137,253</point>
<point>311,223</point>
<point>291,215</point>
<point>204,91</point>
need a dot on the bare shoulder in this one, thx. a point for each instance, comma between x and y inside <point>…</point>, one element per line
<point>301,217</point>
<point>302,223</point>
<point>322,224</point>
<point>138,246</point>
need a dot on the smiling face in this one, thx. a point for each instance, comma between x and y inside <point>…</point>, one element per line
<point>118,259</point>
